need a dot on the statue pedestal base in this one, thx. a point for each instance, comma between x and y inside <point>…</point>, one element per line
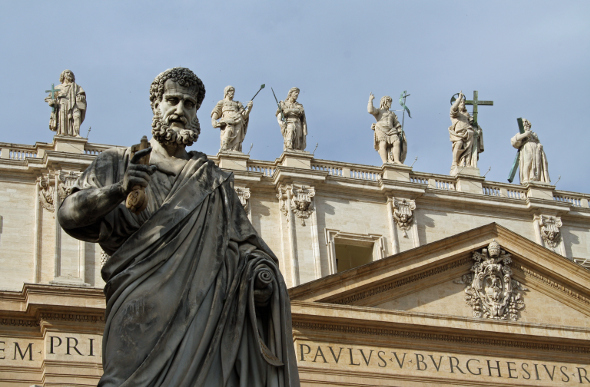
<point>467,171</point>
<point>233,160</point>
<point>296,159</point>
<point>469,180</point>
<point>539,190</point>
<point>69,144</point>
<point>398,172</point>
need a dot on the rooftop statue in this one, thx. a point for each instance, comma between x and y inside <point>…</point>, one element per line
<point>194,296</point>
<point>232,118</point>
<point>68,101</point>
<point>533,162</point>
<point>291,118</point>
<point>466,136</point>
<point>390,140</point>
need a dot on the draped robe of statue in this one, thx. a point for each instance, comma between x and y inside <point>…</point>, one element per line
<point>180,284</point>
<point>533,164</point>
<point>295,128</point>
<point>467,140</point>
<point>234,116</point>
<point>71,102</point>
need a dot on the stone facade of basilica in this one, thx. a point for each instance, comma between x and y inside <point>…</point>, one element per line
<point>397,277</point>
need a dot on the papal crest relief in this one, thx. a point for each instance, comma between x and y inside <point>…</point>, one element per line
<point>490,290</point>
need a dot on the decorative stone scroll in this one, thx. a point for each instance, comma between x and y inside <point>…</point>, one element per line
<point>66,180</point>
<point>403,214</point>
<point>549,227</point>
<point>491,291</point>
<point>284,191</point>
<point>298,198</point>
<point>46,192</point>
<point>244,196</point>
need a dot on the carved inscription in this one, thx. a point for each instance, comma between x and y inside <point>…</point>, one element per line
<point>55,346</point>
<point>404,362</point>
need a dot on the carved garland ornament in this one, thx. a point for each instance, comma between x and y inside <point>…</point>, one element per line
<point>282,196</point>
<point>403,215</point>
<point>491,291</point>
<point>549,226</point>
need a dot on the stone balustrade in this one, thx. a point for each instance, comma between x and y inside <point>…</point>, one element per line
<point>17,151</point>
<point>95,149</point>
<point>20,152</point>
<point>264,167</point>
<point>573,198</point>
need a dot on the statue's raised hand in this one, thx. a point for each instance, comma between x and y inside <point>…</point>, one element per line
<point>138,174</point>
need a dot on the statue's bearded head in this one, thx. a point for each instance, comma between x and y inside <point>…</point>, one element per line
<point>176,95</point>
<point>67,75</point>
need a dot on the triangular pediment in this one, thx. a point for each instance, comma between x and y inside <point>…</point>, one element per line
<point>433,279</point>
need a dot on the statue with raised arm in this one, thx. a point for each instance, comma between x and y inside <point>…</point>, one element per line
<point>194,297</point>
<point>232,118</point>
<point>68,101</point>
<point>291,118</point>
<point>533,161</point>
<point>466,136</point>
<point>390,140</point>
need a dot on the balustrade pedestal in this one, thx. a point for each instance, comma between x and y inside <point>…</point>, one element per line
<point>296,159</point>
<point>236,161</point>
<point>69,144</point>
<point>396,172</point>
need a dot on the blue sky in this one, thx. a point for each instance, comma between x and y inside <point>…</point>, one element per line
<point>532,58</point>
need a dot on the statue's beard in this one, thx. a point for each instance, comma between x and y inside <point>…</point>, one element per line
<point>167,135</point>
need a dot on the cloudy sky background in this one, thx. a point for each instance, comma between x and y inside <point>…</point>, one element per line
<point>532,58</point>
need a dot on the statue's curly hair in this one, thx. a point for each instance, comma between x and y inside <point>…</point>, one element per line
<point>183,77</point>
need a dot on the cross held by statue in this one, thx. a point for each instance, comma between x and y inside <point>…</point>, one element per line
<point>52,91</point>
<point>475,102</point>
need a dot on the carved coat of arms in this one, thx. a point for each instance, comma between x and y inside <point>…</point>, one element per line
<point>491,291</point>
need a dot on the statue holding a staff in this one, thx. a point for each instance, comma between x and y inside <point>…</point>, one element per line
<point>232,118</point>
<point>390,140</point>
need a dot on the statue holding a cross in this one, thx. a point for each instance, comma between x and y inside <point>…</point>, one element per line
<point>465,133</point>
<point>531,158</point>
<point>68,102</point>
